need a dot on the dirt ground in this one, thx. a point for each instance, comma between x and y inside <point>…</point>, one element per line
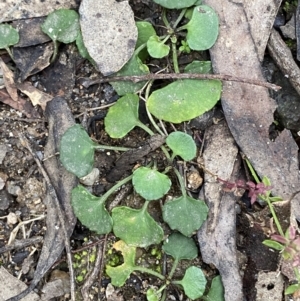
<point>23,187</point>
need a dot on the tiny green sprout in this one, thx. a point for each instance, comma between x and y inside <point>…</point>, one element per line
<point>92,258</point>
<point>184,47</point>
<point>79,278</point>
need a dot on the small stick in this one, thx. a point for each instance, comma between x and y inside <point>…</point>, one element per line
<point>53,194</point>
<point>86,82</point>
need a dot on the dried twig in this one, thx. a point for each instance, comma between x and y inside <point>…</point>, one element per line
<point>20,244</point>
<point>86,82</point>
<point>53,195</point>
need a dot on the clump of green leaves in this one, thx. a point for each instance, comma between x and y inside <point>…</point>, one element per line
<point>179,248</point>
<point>179,101</point>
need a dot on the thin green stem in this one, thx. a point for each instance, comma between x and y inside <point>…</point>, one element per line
<point>175,58</point>
<point>182,186</point>
<point>274,217</point>
<point>145,206</point>
<point>54,55</point>
<point>140,48</point>
<point>116,148</point>
<point>179,18</point>
<point>165,20</point>
<point>115,187</point>
<point>175,264</point>
<point>9,52</point>
<point>149,271</point>
<point>253,173</point>
<point>145,128</point>
<point>164,296</point>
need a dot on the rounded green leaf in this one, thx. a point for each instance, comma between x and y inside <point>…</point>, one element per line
<point>185,214</point>
<point>77,151</point>
<point>203,28</point>
<point>180,247</point>
<point>8,36</point>
<point>178,4</point>
<point>133,67</point>
<point>184,99</point>
<point>182,145</point>
<point>136,227</point>
<point>90,210</point>
<point>157,48</point>
<point>123,116</point>
<point>202,67</point>
<point>121,273</point>
<point>62,25</point>
<point>193,282</point>
<point>145,31</point>
<point>216,291</point>
<point>150,183</point>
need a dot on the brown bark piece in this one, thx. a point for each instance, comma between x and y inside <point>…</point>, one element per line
<point>217,236</point>
<point>248,109</point>
<point>60,119</point>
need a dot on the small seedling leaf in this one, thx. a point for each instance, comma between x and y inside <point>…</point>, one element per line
<point>121,273</point>
<point>150,183</point>
<point>145,31</point>
<point>202,67</point>
<point>8,36</point>
<point>193,282</point>
<point>182,145</point>
<point>77,151</point>
<point>177,4</point>
<point>152,295</point>
<point>136,227</point>
<point>216,291</point>
<point>184,100</point>
<point>133,67</point>
<point>82,49</point>
<point>273,244</point>
<point>203,28</point>
<point>292,289</point>
<point>123,116</point>
<point>62,25</point>
<point>91,211</point>
<point>185,214</point>
<point>180,247</point>
<point>157,48</point>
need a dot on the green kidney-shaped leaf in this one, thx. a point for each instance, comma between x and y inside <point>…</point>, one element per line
<point>150,183</point>
<point>8,36</point>
<point>153,295</point>
<point>184,99</point>
<point>177,4</point>
<point>122,272</point>
<point>216,291</point>
<point>185,214</point>
<point>136,227</point>
<point>77,151</point>
<point>145,31</point>
<point>202,67</point>
<point>157,48</point>
<point>62,25</point>
<point>133,67</point>
<point>123,116</point>
<point>182,145</point>
<point>203,28</point>
<point>193,282</point>
<point>180,247</point>
<point>91,211</point>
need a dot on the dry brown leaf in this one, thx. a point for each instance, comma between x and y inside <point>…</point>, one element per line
<point>9,81</point>
<point>36,96</point>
